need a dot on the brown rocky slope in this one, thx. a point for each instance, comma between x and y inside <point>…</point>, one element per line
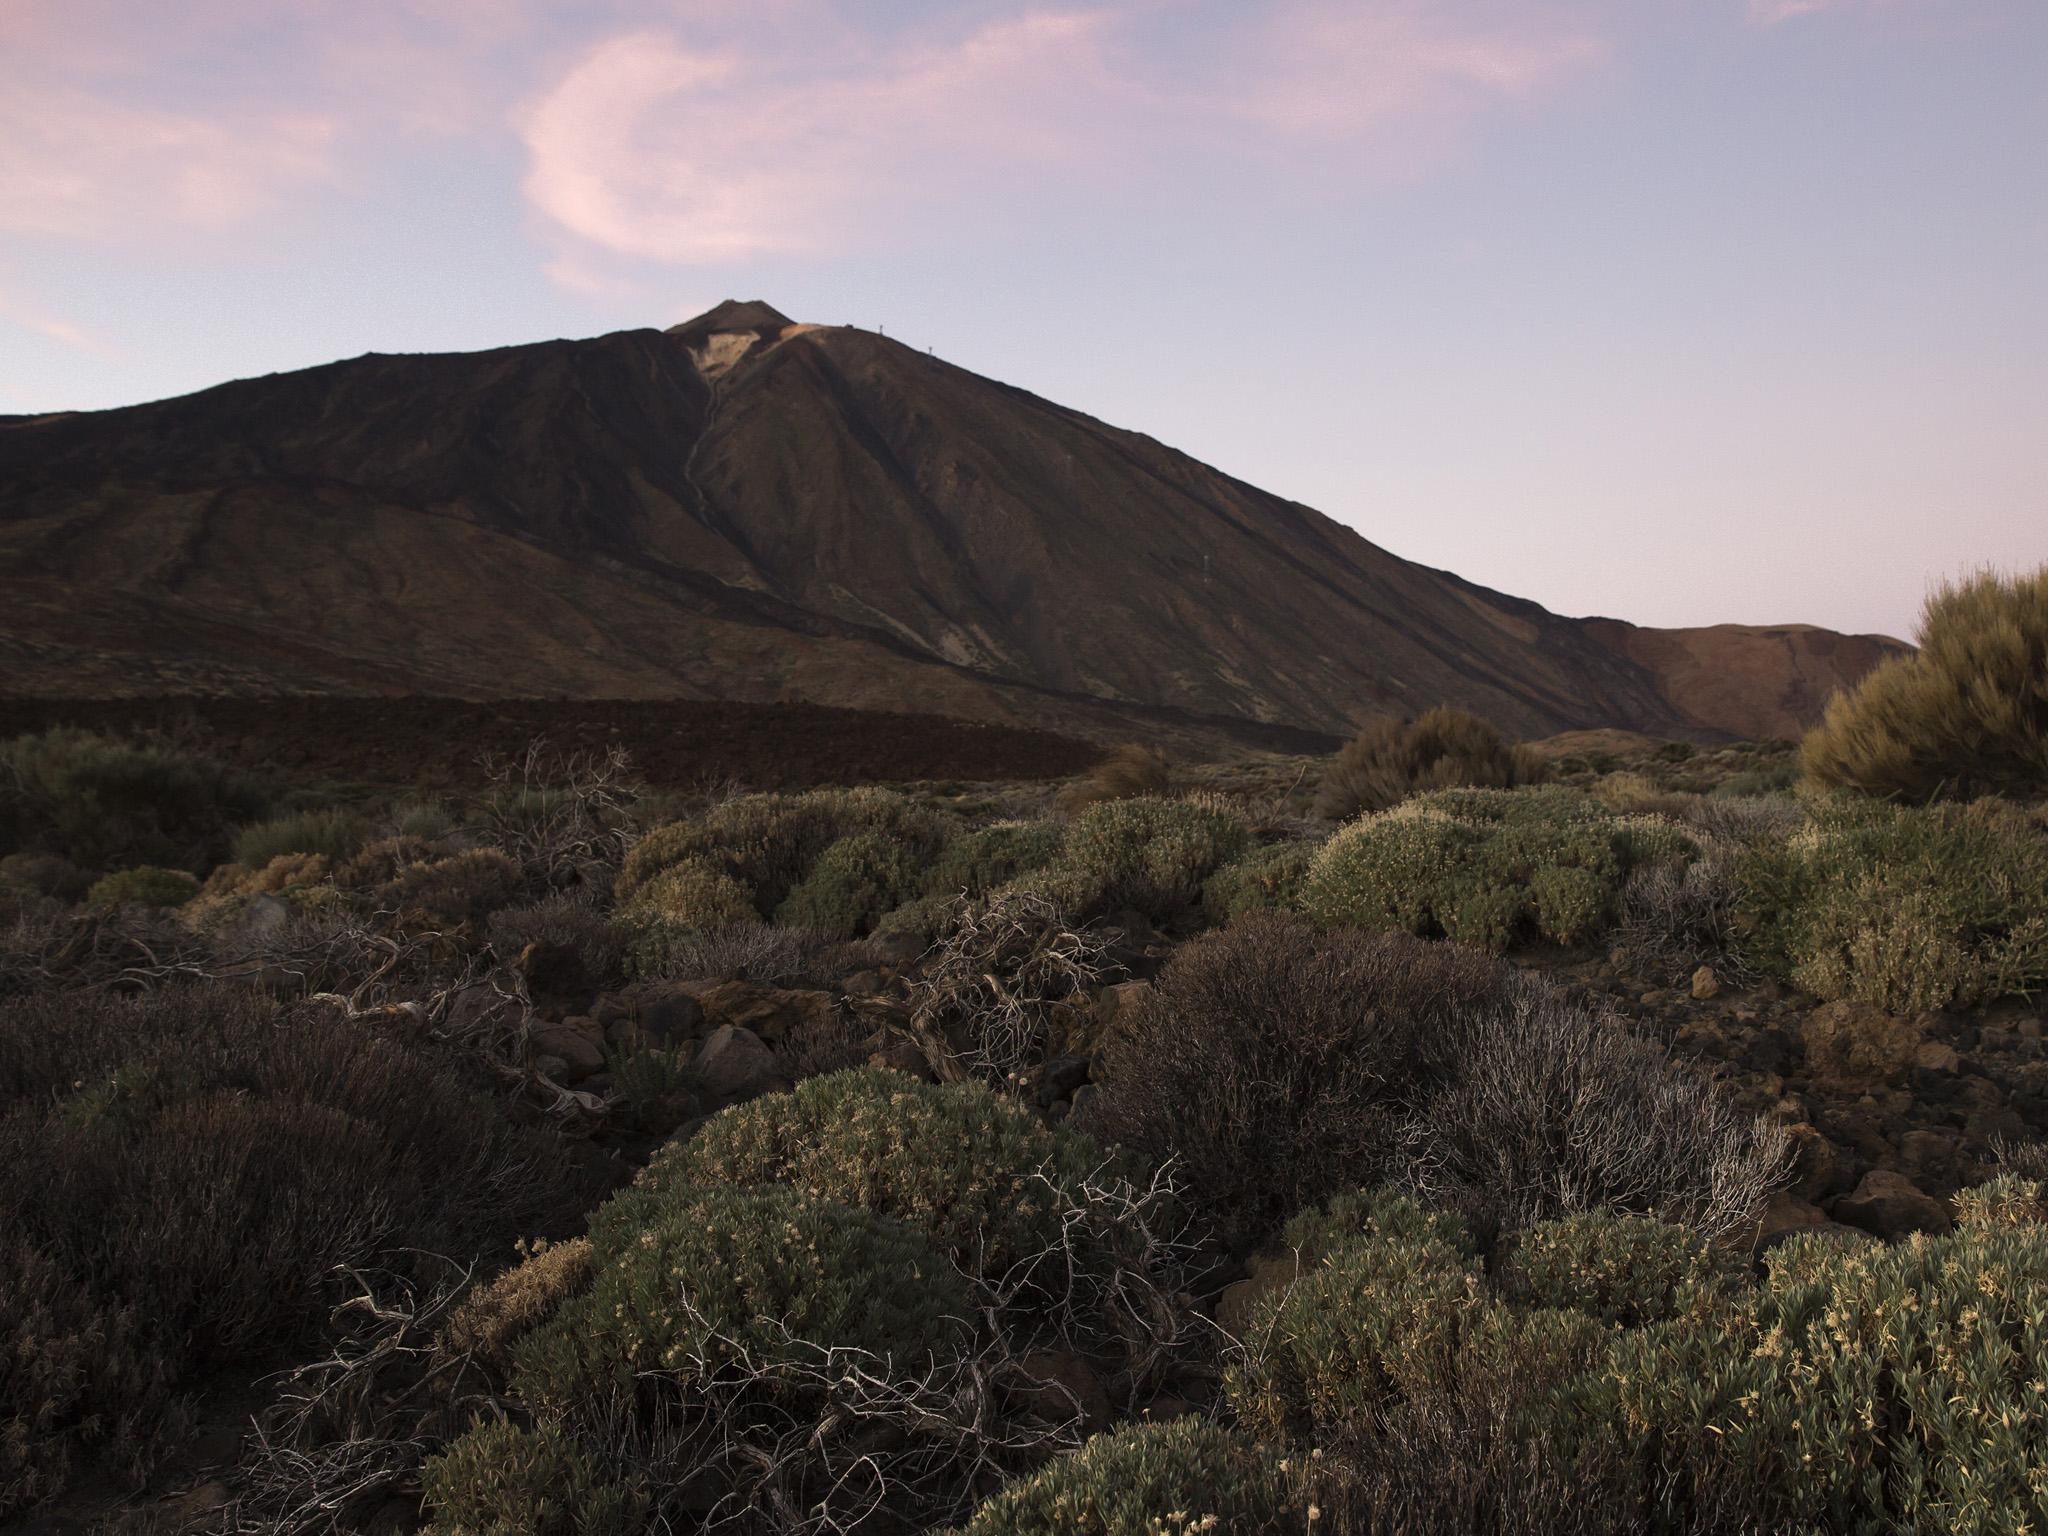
<point>745,508</point>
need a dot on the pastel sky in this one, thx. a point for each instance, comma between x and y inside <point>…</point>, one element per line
<point>1675,310</point>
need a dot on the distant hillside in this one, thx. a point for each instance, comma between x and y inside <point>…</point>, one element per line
<point>745,508</point>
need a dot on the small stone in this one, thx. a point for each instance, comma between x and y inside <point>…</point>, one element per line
<point>1933,1056</point>
<point>1705,984</point>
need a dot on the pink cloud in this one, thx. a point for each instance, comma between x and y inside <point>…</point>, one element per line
<point>17,311</point>
<point>72,164</point>
<point>1771,13</point>
<point>653,147</point>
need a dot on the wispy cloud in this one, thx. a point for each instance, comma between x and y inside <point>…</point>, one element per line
<point>19,312</point>
<point>1771,13</point>
<point>655,147</point>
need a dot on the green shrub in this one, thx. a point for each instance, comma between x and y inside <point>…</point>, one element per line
<point>502,1480</point>
<point>1864,1387</point>
<point>855,881</point>
<point>334,833</point>
<point>1176,1479</point>
<point>106,804</point>
<point>495,1316</point>
<point>1377,1314</point>
<point>693,894</point>
<point>1277,1061</point>
<point>957,1161</point>
<point>1266,879</point>
<point>1623,1269</point>
<point>1486,867</point>
<point>699,1281</point>
<point>980,861</point>
<point>144,887</point>
<point>770,842</point>
<point>1965,715</point>
<point>1905,908</point>
<point>1391,760</point>
<point>1144,854</point>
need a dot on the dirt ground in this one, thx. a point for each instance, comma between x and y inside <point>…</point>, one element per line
<point>675,744</point>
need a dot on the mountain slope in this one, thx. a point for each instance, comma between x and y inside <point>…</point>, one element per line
<point>746,508</point>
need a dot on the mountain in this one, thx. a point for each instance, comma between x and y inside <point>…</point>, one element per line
<point>743,507</point>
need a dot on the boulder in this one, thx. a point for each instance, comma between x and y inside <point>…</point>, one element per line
<point>1889,1204</point>
<point>769,1012</point>
<point>1705,984</point>
<point>577,1042</point>
<point>1785,1215</point>
<point>662,1012</point>
<point>1852,1046</point>
<point>735,1064</point>
<point>1934,1056</point>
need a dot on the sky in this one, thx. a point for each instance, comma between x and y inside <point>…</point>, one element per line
<point>1678,311</point>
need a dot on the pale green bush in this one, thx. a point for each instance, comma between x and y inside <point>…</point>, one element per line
<point>1265,879</point>
<point>1487,867</point>
<point>1145,854</point>
<point>502,1480</point>
<point>1186,1478</point>
<point>147,886</point>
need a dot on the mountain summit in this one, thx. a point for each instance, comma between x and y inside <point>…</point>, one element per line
<point>745,507</point>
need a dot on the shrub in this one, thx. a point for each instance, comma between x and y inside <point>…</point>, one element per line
<point>1867,1387</point>
<point>1127,773</point>
<point>46,874</point>
<point>1629,1270</point>
<point>699,1281</point>
<point>854,882</point>
<point>1907,909</point>
<point>502,1480</point>
<point>1266,879</point>
<point>749,951</point>
<point>567,922</point>
<point>770,842</point>
<point>695,895</point>
<point>1485,867</point>
<point>955,1161</point>
<point>1173,1479</point>
<point>106,804</point>
<point>1005,984</point>
<point>333,832</point>
<point>1276,1061</point>
<point>1965,715</point>
<point>1548,1109</point>
<point>1144,854</point>
<point>976,863</point>
<point>379,863</point>
<point>144,887</point>
<point>77,1373</point>
<point>458,891</point>
<point>494,1317</point>
<point>1378,1314</point>
<point>198,1163</point>
<point>1391,760</point>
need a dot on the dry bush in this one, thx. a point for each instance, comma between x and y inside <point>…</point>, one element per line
<point>1966,715</point>
<point>763,952</point>
<point>1393,759</point>
<point>566,818</point>
<point>1274,1060</point>
<point>105,804</point>
<point>1550,1109</point>
<point>204,1161</point>
<point>564,921</point>
<point>991,995</point>
<point>1676,916</point>
<point>1129,771</point>
<point>459,891</point>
